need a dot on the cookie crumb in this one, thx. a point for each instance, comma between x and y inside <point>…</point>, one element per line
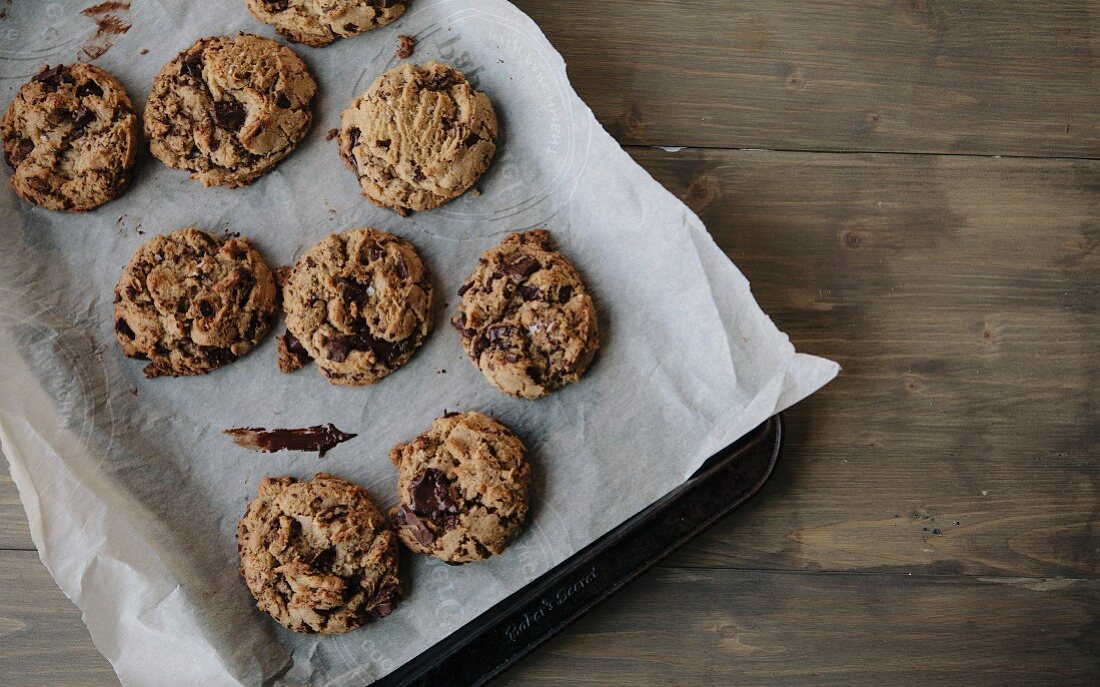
<point>332,133</point>
<point>405,45</point>
<point>476,192</point>
<point>134,391</point>
<point>281,273</point>
<point>292,355</point>
<point>143,51</point>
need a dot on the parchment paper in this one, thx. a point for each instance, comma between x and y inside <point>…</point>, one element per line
<point>133,493</point>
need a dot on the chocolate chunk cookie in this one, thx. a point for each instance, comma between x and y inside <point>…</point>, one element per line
<point>70,136</point>
<point>190,302</point>
<point>229,109</point>
<point>359,304</point>
<point>461,488</point>
<point>418,137</point>
<point>319,23</point>
<point>526,319</point>
<point>318,556</point>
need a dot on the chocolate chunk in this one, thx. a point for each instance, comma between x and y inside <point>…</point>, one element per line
<point>52,77</point>
<point>353,134</point>
<point>219,356</point>
<point>191,65</point>
<point>464,288</point>
<point>404,517</point>
<point>480,343</point>
<point>565,293</point>
<point>206,309</point>
<point>82,117</point>
<point>430,494</point>
<point>354,291</point>
<point>89,88</point>
<point>123,327</point>
<point>338,350</point>
<point>499,335</point>
<point>374,252</point>
<point>319,438</point>
<point>246,281</point>
<point>383,143</point>
<point>276,5</point>
<point>401,268</point>
<point>471,140</point>
<point>520,266</point>
<point>529,293</point>
<point>383,4</point>
<point>24,148</point>
<point>229,115</point>
<point>282,101</point>
<point>534,373</point>
<point>350,28</point>
<point>381,610</point>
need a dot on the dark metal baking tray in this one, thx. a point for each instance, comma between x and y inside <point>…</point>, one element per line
<point>487,645</point>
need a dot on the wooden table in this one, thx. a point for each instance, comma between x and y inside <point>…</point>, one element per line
<point>913,188</point>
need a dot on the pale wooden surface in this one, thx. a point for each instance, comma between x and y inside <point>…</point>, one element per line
<point>961,293</point>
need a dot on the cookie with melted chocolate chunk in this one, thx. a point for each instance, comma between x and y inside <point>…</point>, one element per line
<point>359,304</point>
<point>228,109</point>
<point>319,23</point>
<point>318,556</point>
<point>526,319</point>
<point>190,302</point>
<point>70,137</point>
<point>461,488</point>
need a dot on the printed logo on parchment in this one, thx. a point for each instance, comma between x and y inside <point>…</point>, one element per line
<point>33,34</point>
<point>537,151</point>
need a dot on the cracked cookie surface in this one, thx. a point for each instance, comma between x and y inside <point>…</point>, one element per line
<point>359,304</point>
<point>461,488</point>
<point>317,23</point>
<point>418,137</point>
<point>318,556</point>
<point>70,136</point>
<point>228,109</point>
<point>190,302</point>
<point>526,319</point>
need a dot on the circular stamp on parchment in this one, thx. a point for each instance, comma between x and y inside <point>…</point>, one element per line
<point>537,152</point>
<point>35,33</point>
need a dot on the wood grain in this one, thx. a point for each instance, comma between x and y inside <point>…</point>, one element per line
<point>42,641</point>
<point>710,627</point>
<point>982,76</point>
<point>760,628</point>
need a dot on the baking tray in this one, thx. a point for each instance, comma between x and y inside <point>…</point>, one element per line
<point>487,645</point>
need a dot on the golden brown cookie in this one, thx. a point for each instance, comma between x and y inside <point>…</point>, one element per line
<point>190,302</point>
<point>318,556</point>
<point>70,137</point>
<point>526,319</point>
<point>228,109</point>
<point>461,488</point>
<point>418,137</point>
<point>359,304</point>
<point>319,23</point>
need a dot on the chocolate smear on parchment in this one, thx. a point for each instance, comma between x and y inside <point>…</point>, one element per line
<point>111,20</point>
<point>319,438</point>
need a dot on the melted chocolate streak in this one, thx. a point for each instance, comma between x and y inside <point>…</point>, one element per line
<point>319,438</point>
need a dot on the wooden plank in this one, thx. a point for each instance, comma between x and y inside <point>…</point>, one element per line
<point>961,296</point>
<point>711,627</point>
<point>728,627</point>
<point>13,520</point>
<point>42,641</point>
<point>981,76</point>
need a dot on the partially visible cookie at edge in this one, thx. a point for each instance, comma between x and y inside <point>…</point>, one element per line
<point>419,137</point>
<point>526,318</point>
<point>70,137</point>
<point>462,488</point>
<point>228,109</point>
<point>359,304</point>
<point>319,24</point>
<point>318,556</point>
<point>191,302</point>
